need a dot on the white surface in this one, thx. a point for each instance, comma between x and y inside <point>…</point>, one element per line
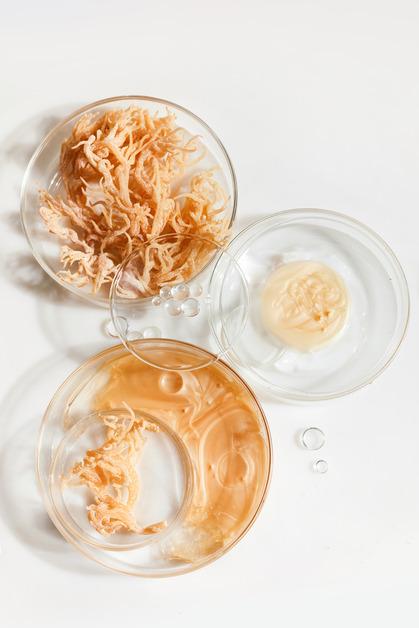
<point>318,105</point>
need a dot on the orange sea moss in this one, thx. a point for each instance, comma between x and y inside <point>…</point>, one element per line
<point>128,177</point>
<point>110,473</point>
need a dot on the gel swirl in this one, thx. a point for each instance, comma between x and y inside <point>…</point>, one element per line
<point>222,427</point>
<point>304,304</point>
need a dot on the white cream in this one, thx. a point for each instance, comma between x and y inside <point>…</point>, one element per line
<point>304,304</point>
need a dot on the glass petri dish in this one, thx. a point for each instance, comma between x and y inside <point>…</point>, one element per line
<point>43,173</point>
<point>236,477</point>
<point>151,298</point>
<point>378,305</point>
<point>164,471</point>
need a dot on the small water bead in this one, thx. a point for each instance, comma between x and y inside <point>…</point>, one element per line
<point>156,301</point>
<point>165,293</point>
<point>151,332</point>
<point>109,329</point>
<point>195,290</point>
<point>180,292</point>
<point>120,329</point>
<point>320,466</point>
<point>173,308</point>
<point>190,307</point>
<point>313,438</point>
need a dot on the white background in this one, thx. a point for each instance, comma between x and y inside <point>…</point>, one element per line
<point>318,104</point>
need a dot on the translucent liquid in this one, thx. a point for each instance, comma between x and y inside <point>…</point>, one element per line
<point>217,418</point>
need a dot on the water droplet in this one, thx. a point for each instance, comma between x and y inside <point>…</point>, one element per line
<point>172,308</point>
<point>180,292</point>
<point>195,290</point>
<point>190,307</point>
<point>110,329</point>
<point>320,466</point>
<point>151,332</point>
<point>165,293</point>
<point>171,382</point>
<point>156,301</point>
<point>208,299</point>
<point>120,329</point>
<point>313,438</point>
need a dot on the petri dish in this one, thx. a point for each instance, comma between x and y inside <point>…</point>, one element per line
<point>378,305</point>
<point>43,173</point>
<point>163,467</point>
<point>228,443</point>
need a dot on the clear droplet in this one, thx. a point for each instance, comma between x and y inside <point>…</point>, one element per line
<point>173,308</point>
<point>156,301</point>
<point>109,329</point>
<point>208,299</point>
<point>151,332</point>
<point>320,466</point>
<point>120,329</point>
<point>313,438</point>
<point>165,293</point>
<point>190,307</point>
<point>195,290</point>
<point>180,292</point>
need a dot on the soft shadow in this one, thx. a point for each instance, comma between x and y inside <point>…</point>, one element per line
<point>19,267</point>
<point>73,327</point>
<point>20,144</point>
<point>12,221</point>
<point>24,271</point>
<point>21,506</point>
<point>18,147</point>
<point>15,152</point>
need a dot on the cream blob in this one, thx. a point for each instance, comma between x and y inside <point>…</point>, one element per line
<point>304,304</point>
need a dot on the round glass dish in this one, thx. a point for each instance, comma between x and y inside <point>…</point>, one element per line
<point>216,417</point>
<point>163,467</point>
<point>43,173</point>
<point>378,305</point>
